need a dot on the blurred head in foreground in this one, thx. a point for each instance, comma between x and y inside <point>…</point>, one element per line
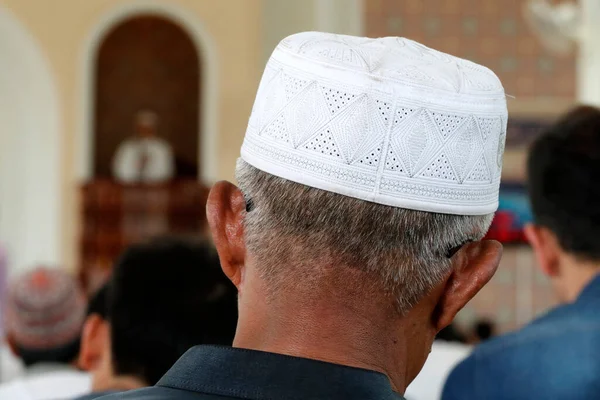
<point>164,297</point>
<point>368,177</point>
<point>45,310</point>
<point>563,176</point>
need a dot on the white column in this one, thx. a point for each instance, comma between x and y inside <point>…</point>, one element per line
<point>340,16</point>
<point>588,65</point>
<point>30,151</point>
<point>285,17</point>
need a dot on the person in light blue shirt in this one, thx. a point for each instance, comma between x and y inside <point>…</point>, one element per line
<point>558,355</point>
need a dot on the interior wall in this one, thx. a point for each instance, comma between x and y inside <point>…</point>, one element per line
<point>588,79</point>
<point>236,42</point>
<point>285,17</point>
<point>63,29</point>
<point>30,196</point>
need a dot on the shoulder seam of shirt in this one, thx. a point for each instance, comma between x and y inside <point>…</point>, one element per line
<point>526,336</point>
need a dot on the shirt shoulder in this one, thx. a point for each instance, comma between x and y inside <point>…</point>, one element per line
<point>560,346</point>
<point>63,384</point>
<point>563,324</point>
<point>128,144</point>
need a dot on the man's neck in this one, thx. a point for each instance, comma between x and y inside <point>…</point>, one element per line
<point>120,384</point>
<point>333,331</point>
<point>576,275</point>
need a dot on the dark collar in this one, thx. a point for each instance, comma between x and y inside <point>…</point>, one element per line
<point>591,293</point>
<point>248,374</point>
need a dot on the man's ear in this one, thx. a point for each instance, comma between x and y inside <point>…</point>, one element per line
<point>94,339</point>
<point>12,345</point>
<point>474,265</point>
<point>546,249</point>
<point>226,209</point>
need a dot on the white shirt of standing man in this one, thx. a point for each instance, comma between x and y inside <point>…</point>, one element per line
<point>144,158</point>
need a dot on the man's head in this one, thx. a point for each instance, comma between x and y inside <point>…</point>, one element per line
<point>146,122</point>
<point>45,309</point>
<point>563,176</point>
<point>369,174</point>
<point>310,231</point>
<point>164,297</point>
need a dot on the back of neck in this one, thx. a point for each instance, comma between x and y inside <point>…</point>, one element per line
<point>120,384</point>
<point>576,275</point>
<point>331,331</point>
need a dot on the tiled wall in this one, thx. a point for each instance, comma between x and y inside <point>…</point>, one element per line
<point>495,34</point>
<point>490,32</point>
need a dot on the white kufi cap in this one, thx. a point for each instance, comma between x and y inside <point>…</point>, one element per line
<point>384,120</point>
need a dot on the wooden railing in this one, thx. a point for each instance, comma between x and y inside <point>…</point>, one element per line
<point>115,216</point>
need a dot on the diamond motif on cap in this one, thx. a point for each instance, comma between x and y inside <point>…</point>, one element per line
<point>465,147</point>
<point>306,114</point>
<point>416,141</point>
<point>274,100</point>
<point>356,134</point>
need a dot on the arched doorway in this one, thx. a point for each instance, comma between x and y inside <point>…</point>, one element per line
<point>147,62</point>
<point>30,147</point>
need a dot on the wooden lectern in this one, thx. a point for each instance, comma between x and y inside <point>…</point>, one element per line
<point>115,216</point>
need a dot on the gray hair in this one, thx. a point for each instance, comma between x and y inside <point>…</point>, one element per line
<point>295,232</point>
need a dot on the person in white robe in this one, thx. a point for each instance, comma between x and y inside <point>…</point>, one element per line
<point>44,314</point>
<point>443,358</point>
<point>145,158</point>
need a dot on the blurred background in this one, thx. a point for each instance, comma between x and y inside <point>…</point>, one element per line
<point>79,79</point>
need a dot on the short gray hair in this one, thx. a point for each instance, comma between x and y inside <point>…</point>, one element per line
<point>293,230</point>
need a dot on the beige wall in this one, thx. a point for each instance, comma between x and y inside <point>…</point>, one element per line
<point>241,34</point>
<point>285,17</point>
<point>61,29</point>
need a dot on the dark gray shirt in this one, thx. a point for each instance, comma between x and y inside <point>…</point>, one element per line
<point>221,373</point>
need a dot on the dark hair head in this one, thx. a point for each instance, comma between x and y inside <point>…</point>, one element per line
<point>485,329</point>
<point>451,334</point>
<point>564,172</point>
<point>166,296</point>
<point>98,303</point>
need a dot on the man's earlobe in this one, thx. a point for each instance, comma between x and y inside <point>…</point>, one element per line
<point>12,345</point>
<point>92,342</point>
<point>477,263</point>
<point>226,208</point>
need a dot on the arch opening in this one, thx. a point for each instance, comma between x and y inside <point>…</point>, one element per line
<point>208,84</point>
<point>148,63</point>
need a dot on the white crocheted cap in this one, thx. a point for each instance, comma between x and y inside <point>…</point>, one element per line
<point>384,120</point>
